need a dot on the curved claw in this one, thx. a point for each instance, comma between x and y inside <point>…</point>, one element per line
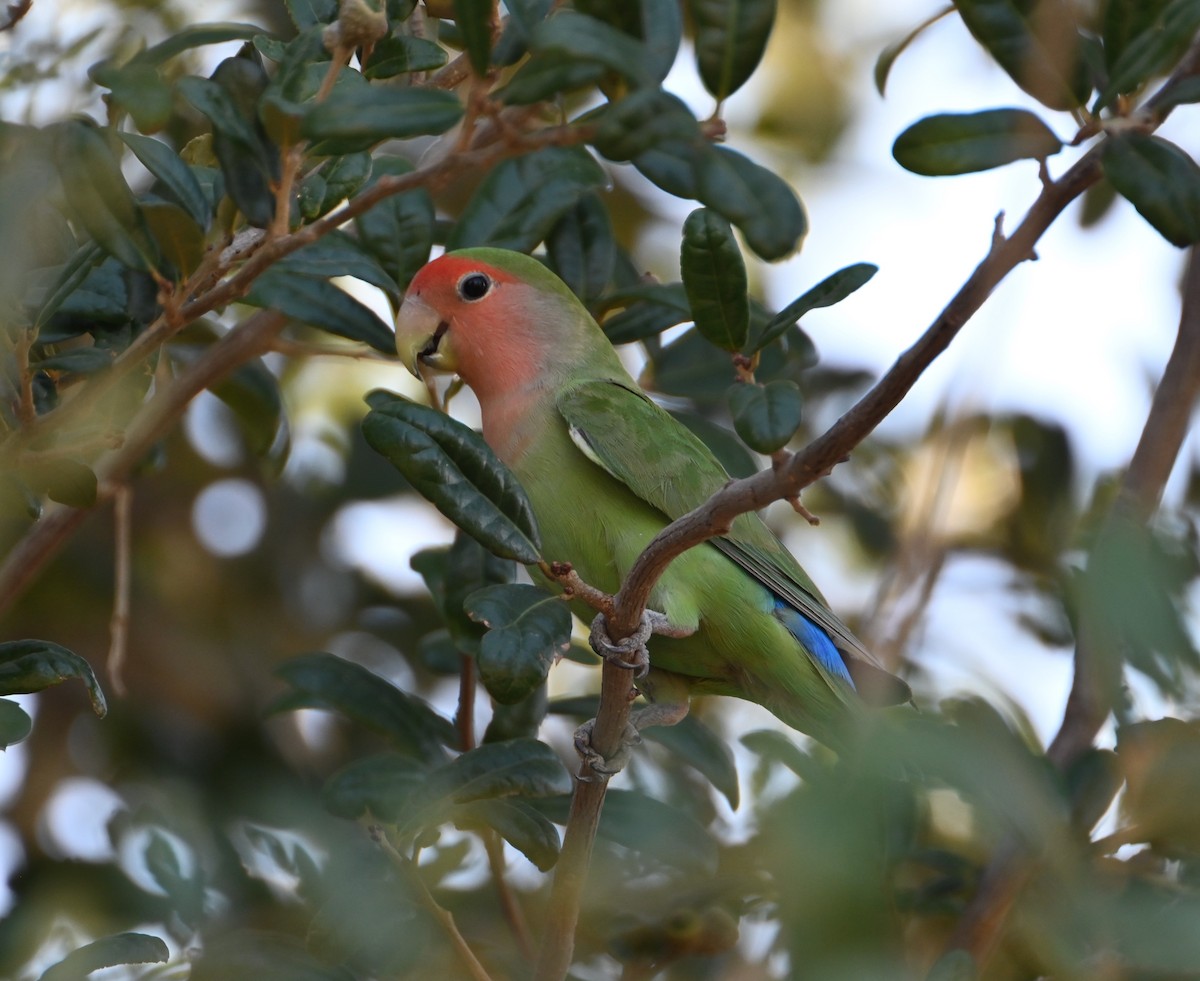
<point>630,652</point>
<point>605,767</point>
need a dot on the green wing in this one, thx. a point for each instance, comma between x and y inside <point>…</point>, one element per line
<point>666,465</point>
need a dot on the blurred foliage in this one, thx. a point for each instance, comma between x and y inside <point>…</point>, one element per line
<point>296,784</point>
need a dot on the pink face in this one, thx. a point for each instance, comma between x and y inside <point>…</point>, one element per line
<point>463,315</point>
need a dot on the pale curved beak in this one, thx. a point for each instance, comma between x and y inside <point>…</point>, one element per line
<point>419,332</point>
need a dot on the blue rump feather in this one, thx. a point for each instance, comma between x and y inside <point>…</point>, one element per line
<point>813,639</point>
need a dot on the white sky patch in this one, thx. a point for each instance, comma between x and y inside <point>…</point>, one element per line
<point>229,517</point>
<point>379,538</point>
<point>76,817</point>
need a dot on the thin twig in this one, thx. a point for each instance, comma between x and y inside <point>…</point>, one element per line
<point>119,623</point>
<point>513,913</point>
<point>443,916</point>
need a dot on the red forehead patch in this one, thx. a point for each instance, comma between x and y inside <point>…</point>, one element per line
<point>449,269</point>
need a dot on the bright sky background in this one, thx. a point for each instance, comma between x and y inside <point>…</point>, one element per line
<point>1075,337</point>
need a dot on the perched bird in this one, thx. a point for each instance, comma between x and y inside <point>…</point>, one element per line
<point>606,469</point>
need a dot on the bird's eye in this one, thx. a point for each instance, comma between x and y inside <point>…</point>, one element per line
<point>474,286</point>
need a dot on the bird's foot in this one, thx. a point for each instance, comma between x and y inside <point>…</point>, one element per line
<point>630,652</point>
<point>605,767</point>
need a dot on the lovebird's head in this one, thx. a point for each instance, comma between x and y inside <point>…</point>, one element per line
<point>496,318</point>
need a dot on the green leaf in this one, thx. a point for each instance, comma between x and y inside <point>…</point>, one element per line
<point>954,143</point>
<point>662,33</point>
<point>766,416</point>
<point>520,201</point>
<point>399,230</point>
<point>585,38</point>
<point>547,75</point>
<point>196,36</point>
<point>174,175</point>
<point>887,57</point>
<point>252,393</point>
<point>337,254</point>
<point>70,278</point>
<point>1160,180</point>
<point>714,278</point>
<point>63,479</point>
<point>698,746</point>
<point>529,629</point>
<point>33,665</point>
<point>77,361</point>
<point>582,249</point>
<point>121,948</point>
<point>451,466</point>
<point>648,310</point>
<point>643,120</point>
<point>1185,91</point>
<point>15,724</point>
<point>755,199</point>
<point>474,21</point>
<point>259,955</point>
<point>659,832</point>
<point>1037,43</point>
<point>180,240</point>
<point>381,786</point>
<point>1154,51</point>
<point>518,823</point>
<point>672,166</point>
<point>320,304</point>
<point>1092,783</point>
<point>309,13</point>
<point>513,768</point>
<point>325,681</point>
<point>955,965</point>
<point>401,53</point>
<point>137,88</point>
<point>832,289</point>
<point>731,36</point>
<point>360,118</point>
<point>98,197</point>
<point>342,177</point>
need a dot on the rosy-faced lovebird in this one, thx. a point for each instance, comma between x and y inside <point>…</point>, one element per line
<point>606,468</point>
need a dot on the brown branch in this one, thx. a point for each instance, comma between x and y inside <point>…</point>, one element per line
<point>119,623</point>
<point>43,541</point>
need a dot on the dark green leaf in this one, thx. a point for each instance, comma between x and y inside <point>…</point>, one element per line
<point>1093,782</point>
<point>365,116</point>
<point>1125,20</point>
<point>516,822</point>
<point>1037,43</point>
<point>726,447</point>
<point>528,630</point>
<point>122,948</point>
<point>399,230</point>
<point>1160,180</point>
<point>381,786</point>
<point>308,13</point>
<point>196,36</point>
<point>520,201</point>
<point>180,240</point>
<point>698,746</point>
<point>643,120</point>
<point>15,724</point>
<point>954,143</point>
<point>522,719</point>
<point>582,249</point>
<point>324,681</point>
<point>731,36</point>
<point>755,199</point>
<point>546,75</point>
<point>1154,51</point>
<point>662,33</point>
<point>672,166</point>
<point>887,57</point>
<point>73,274</point>
<point>957,965</point>
<point>1185,91</point>
<point>474,21</point>
<point>766,416</point>
<point>402,53</point>
<point>468,567</point>
<point>98,196</point>
<point>832,289</point>
<point>455,469</point>
<point>648,310</point>
<point>77,361</point>
<point>584,38</point>
<point>32,665</point>
<point>714,278</point>
<point>337,254</point>
<point>252,394</point>
<point>259,955</point>
<point>513,768</point>
<point>659,832</point>
<point>137,88</point>
<point>174,175</point>
<point>342,178</point>
<point>320,304</point>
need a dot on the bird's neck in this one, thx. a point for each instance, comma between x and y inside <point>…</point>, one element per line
<point>514,418</point>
